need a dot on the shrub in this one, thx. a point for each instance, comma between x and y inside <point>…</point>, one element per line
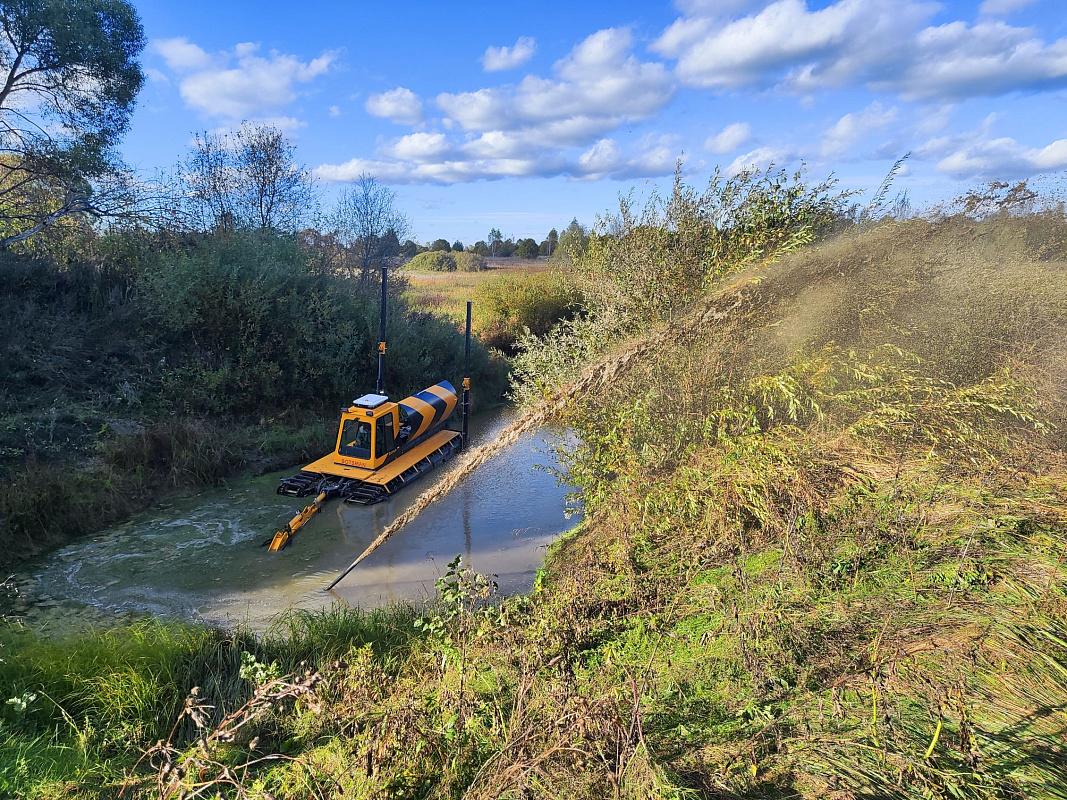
<point>469,262</point>
<point>433,261</point>
<point>511,305</point>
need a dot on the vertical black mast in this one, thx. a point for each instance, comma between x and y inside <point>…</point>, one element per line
<point>467,376</point>
<point>381,335</point>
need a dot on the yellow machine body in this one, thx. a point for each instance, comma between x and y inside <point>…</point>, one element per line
<point>381,446</point>
<point>370,438</point>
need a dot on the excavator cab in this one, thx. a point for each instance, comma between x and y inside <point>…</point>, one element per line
<point>368,432</point>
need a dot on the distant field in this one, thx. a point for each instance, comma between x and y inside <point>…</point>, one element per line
<point>446,293</point>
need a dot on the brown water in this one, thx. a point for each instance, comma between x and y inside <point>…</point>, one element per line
<point>201,558</point>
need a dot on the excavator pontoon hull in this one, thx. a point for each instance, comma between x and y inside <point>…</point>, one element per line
<point>367,486</point>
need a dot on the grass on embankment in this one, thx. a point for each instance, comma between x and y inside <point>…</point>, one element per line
<point>85,708</point>
<point>823,557</point>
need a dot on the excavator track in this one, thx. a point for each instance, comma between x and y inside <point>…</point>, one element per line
<point>300,485</point>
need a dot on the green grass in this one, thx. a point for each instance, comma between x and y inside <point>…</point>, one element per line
<point>94,702</point>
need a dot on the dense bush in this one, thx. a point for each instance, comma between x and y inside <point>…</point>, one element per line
<point>469,262</point>
<point>443,261</point>
<point>513,305</point>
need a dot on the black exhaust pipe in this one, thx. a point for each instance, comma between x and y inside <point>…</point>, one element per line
<point>381,334</point>
<point>467,378</point>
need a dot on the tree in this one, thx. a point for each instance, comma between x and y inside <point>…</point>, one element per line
<point>457,246</point>
<point>409,249</point>
<point>248,179</point>
<point>574,238</point>
<point>551,242</point>
<point>480,248</point>
<point>368,221</point>
<point>495,240</point>
<point>277,192</point>
<point>70,77</point>
<point>441,245</point>
<point>527,248</point>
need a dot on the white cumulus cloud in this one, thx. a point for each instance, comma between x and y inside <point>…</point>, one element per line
<point>887,47</point>
<point>598,85</point>
<point>729,138</point>
<point>854,128</point>
<point>420,147</point>
<point>985,59</point>
<point>240,83</point>
<point>181,54</point>
<point>975,155</point>
<point>398,105</point>
<point>533,127</point>
<point>497,59</point>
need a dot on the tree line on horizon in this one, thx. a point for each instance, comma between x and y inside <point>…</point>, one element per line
<point>495,245</point>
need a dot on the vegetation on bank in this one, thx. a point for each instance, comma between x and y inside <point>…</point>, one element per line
<point>822,556</point>
<point>508,302</point>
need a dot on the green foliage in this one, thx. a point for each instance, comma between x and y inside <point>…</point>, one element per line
<point>444,261</point>
<point>432,261</point>
<point>642,268</point>
<point>468,262</point>
<point>72,76</point>
<point>236,326</point>
<point>527,248</point>
<point>264,330</point>
<point>646,266</point>
<point>822,556</point>
<point>81,709</point>
<point>461,592</point>
<point>512,306</point>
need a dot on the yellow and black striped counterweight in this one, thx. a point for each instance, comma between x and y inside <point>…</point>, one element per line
<point>429,408</point>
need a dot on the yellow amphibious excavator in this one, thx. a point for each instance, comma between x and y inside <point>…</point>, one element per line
<point>381,446</point>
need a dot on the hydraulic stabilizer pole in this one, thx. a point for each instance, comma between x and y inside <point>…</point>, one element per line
<point>467,377</point>
<point>381,334</point>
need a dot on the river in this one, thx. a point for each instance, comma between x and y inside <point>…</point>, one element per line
<point>200,558</point>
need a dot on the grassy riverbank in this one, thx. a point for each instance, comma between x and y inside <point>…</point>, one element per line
<point>823,556</point>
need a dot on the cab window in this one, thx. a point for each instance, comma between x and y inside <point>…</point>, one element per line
<point>355,439</point>
<point>383,443</point>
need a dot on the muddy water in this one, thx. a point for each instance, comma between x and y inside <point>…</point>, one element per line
<point>201,558</point>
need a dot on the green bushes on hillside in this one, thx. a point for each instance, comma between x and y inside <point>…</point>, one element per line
<point>822,555</point>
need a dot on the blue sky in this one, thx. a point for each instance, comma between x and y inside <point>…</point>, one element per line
<point>520,117</point>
